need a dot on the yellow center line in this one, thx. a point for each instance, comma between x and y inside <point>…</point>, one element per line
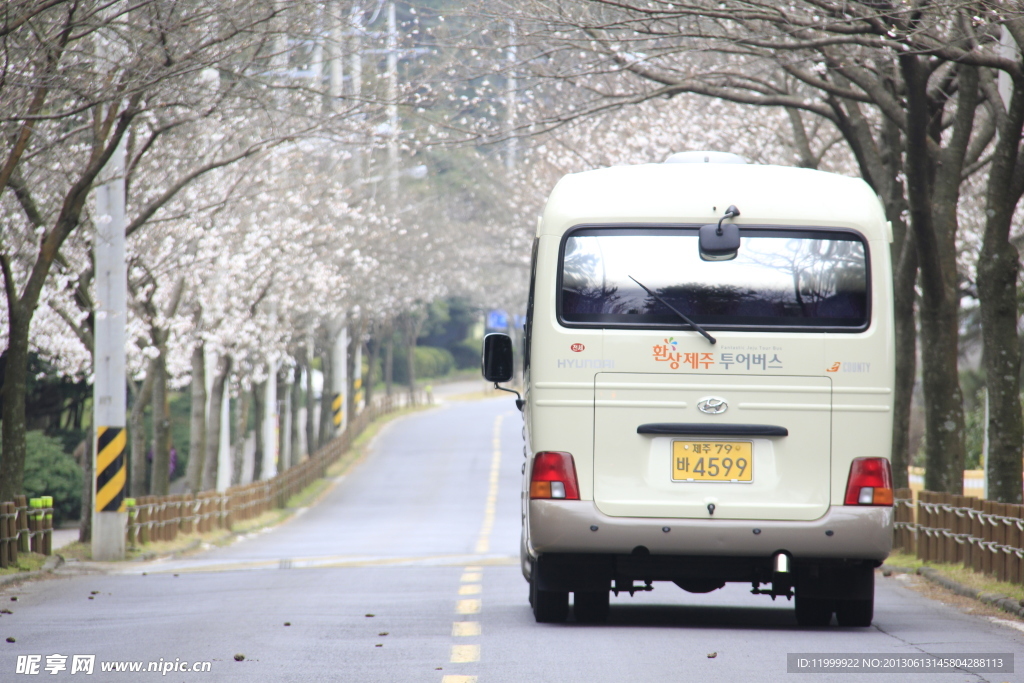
<point>472,576</point>
<point>469,606</point>
<point>465,628</point>
<point>465,653</point>
<point>483,543</point>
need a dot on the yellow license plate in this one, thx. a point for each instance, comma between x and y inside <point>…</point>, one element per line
<point>712,461</point>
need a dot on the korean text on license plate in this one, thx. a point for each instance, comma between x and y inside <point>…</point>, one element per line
<point>694,460</point>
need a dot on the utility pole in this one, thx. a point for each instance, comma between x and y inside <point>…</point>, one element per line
<point>109,400</point>
<point>224,445</point>
<point>510,100</point>
<point>335,65</point>
<point>392,81</point>
<point>356,80</point>
<point>339,379</point>
<point>270,422</point>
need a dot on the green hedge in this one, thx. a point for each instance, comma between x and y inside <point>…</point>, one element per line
<point>430,362</point>
<point>467,354</point>
<point>49,471</point>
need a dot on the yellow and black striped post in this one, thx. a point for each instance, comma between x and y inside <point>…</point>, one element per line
<point>357,386</point>
<point>338,411</point>
<point>111,473</point>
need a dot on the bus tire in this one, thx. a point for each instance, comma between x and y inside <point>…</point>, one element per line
<point>855,612</point>
<point>591,607</point>
<point>549,607</point>
<point>813,611</point>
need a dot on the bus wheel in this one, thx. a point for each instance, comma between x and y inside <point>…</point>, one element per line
<point>590,607</point>
<point>855,612</point>
<point>813,611</point>
<point>549,607</point>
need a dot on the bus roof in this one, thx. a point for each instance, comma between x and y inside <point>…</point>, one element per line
<point>701,192</point>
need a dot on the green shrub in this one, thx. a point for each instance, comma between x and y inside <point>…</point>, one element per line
<point>467,354</point>
<point>49,471</point>
<point>430,362</point>
<point>433,362</point>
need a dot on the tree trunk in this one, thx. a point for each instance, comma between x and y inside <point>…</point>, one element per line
<point>241,432</point>
<point>284,433</point>
<point>326,398</point>
<point>372,354</point>
<point>998,270</point>
<point>217,395</point>
<point>138,484</point>
<point>389,359</point>
<point>410,355</point>
<point>296,455</point>
<point>311,442</point>
<point>12,456</point>
<point>85,523</point>
<point>160,476</point>
<point>197,423</point>
<point>904,278</point>
<point>412,325</point>
<point>932,201</point>
<point>258,408</point>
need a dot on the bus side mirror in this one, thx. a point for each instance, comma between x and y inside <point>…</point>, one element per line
<point>719,242</point>
<point>497,358</point>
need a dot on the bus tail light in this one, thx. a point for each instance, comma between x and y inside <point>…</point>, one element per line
<point>870,482</point>
<point>554,476</point>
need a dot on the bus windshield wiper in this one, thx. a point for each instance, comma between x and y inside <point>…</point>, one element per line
<point>672,308</point>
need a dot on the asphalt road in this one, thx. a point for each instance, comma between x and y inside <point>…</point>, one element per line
<point>406,570</point>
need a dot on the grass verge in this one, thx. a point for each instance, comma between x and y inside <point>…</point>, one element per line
<point>27,562</point>
<point>963,576</point>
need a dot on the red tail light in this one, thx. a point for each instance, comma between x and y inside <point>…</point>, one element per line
<point>870,482</point>
<point>554,476</point>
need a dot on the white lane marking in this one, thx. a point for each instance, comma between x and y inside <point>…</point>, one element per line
<point>1007,622</point>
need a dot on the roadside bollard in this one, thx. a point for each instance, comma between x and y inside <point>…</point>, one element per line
<point>24,533</point>
<point>35,505</point>
<point>5,535</point>
<point>47,525</point>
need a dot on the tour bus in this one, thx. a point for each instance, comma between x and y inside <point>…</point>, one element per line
<point>708,366</point>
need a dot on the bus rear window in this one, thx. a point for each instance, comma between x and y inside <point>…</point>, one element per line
<point>794,279</point>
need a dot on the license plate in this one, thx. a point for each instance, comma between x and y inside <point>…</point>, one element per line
<point>712,461</point>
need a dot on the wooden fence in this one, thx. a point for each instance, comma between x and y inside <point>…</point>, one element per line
<point>26,525</point>
<point>979,534</point>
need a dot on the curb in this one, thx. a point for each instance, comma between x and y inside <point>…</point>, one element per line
<point>1004,603</point>
<point>52,562</point>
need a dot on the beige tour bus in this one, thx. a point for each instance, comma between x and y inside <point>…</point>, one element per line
<point>708,365</point>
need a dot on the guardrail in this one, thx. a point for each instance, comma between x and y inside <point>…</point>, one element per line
<point>163,518</point>
<point>980,534</point>
<point>26,525</point>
